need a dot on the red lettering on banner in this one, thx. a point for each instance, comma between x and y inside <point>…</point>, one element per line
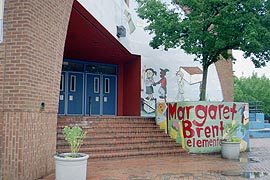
<point>189,143</point>
<point>221,127</point>
<point>188,108</point>
<point>203,142</point>
<point>198,130</point>
<point>202,112</point>
<point>213,109</point>
<point>207,132</point>
<point>172,110</point>
<point>200,109</point>
<point>199,143</point>
<point>233,110</point>
<point>187,130</point>
<point>225,111</point>
<point>219,110</point>
<point>194,122</point>
<point>181,110</point>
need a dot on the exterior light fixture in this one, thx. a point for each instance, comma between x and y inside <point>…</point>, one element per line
<point>121,31</point>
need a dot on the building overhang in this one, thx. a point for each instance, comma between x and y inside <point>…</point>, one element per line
<point>88,40</point>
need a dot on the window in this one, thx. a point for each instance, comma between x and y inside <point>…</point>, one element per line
<point>107,85</point>
<point>96,85</point>
<point>100,69</point>
<point>72,83</point>
<point>72,66</point>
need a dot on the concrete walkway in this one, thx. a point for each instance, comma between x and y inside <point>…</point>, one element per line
<point>252,165</point>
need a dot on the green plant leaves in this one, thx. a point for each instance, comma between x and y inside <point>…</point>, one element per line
<point>74,136</point>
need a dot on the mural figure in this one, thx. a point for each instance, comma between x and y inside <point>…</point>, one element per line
<point>163,84</point>
<point>188,75</point>
<point>180,83</point>
<point>149,82</point>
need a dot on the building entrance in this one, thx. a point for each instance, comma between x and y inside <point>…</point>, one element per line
<point>88,89</point>
<point>100,93</point>
<point>71,93</point>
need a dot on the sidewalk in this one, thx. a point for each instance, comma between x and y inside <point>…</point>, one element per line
<point>186,167</point>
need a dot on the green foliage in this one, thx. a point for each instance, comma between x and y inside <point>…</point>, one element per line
<point>253,88</point>
<point>234,139</point>
<point>74,136</point>
<point>230,133</point>
<point>208,29</point>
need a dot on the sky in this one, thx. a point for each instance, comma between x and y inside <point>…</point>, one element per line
<point>245,67</point>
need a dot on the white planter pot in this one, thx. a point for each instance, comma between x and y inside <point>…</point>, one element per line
<point>230,150</point>
<point>71,168</point>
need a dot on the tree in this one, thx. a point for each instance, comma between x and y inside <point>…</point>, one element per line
<point>209,29</point>
<point>253,88</point>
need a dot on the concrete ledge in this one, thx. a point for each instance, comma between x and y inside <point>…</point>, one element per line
<point>260,133</point>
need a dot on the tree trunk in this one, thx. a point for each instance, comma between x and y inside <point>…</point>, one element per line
<point>203,85</point>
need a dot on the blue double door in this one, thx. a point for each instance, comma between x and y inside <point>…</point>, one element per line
<point>87,94</point>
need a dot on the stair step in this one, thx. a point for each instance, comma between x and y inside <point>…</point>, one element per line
<point>109,125</point>
<point>109,142</point>
<point>124,154</point>
<point>119,137</point>
<point>105,120</point>
<point>63,144</point>
<point>134,153</point>
<point>122,148</point>
<point>115,128</point>
<point>119,132</point>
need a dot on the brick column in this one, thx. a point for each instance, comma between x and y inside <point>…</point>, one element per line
<point>225,74</point>
<point>30,70</point>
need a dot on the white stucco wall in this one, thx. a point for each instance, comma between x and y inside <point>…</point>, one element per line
<point>110,13</point>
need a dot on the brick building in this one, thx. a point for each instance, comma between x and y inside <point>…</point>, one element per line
<point>37,36</point>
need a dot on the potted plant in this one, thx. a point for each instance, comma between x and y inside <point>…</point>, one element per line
<point>230,143</point>
<point>73,165</point>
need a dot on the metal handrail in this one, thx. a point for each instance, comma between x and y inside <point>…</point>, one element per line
<point>255,107</point>
<point>144,102</point>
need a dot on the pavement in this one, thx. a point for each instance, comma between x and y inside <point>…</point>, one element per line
<point>251,165</point>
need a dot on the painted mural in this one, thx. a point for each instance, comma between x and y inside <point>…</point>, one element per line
<point>159,89</point>
<point>149,81</point>
<point>200,126</point>
<point>155,89</point>
<point>161,119</point>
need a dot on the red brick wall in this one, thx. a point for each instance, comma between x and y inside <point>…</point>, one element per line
<point>31,60</point>
<point>225,74</point>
